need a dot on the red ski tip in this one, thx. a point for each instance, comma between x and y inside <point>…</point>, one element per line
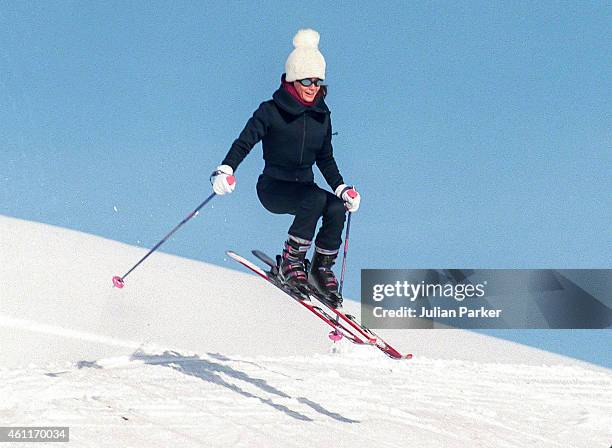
<point>118,282</point>
<point>335,336</point>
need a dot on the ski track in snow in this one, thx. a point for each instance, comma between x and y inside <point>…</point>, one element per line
<point>166,362</point>
<point>213,400</point>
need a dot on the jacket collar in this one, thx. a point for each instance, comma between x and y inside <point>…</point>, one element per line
<point>288,103</point>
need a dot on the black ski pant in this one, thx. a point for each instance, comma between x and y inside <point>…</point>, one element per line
<point>307,202</point>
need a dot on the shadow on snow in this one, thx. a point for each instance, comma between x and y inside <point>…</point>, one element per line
<point>213,372</point>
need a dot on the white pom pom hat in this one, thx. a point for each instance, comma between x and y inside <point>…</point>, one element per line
<point>305,61</point>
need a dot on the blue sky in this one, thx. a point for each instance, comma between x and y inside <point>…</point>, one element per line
<point>478,133</point>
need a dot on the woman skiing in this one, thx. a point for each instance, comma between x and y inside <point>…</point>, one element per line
<point>295,130</point>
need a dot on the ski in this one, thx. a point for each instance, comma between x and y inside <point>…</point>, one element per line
<point>365,333</point>
<point>302,299</point>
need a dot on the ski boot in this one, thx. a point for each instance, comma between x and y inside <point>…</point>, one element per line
<point>292,264</point>
<point>322,278</point>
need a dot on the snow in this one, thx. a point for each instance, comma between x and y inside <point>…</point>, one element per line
<point>190,354</point>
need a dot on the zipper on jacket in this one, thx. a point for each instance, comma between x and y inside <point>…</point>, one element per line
<point>303,140</point>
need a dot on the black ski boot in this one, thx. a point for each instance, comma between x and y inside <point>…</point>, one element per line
<point>292,269</point>
<point>323,278</point>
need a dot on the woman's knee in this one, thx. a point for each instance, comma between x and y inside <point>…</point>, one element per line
<point>335,208</point>
<point>315,201</point>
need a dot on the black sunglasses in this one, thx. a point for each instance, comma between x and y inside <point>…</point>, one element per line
<point>308,82</point>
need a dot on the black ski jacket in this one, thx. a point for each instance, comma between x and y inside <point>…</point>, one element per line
<point>294,137</point>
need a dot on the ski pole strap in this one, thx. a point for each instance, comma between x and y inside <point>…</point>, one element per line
<point>345,189</point>
<point>216,173</point>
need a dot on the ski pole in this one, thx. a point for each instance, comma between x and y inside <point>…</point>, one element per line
<point>334,335</point>
<point>118,281</point>
<point>346,241</point>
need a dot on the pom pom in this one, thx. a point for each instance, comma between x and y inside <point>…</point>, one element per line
<point>308,38</point>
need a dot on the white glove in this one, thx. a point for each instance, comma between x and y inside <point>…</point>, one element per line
<point>223,180</point>
<point>350,197</point>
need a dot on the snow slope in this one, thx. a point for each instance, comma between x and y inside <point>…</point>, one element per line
<point>190,354</point>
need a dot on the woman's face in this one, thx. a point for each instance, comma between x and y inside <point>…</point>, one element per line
<point>307,94</point>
